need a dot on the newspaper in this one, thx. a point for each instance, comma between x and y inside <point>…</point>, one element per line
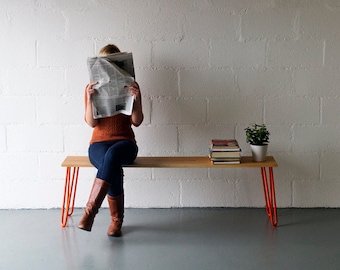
<point>112,73</point>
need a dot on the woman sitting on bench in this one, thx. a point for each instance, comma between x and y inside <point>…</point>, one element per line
<point>112,145</point>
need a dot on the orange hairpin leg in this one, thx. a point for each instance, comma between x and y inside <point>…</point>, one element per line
<point>269,195</point>
<point>70,189</point>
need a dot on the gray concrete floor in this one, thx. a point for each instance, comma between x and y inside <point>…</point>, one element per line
<point>209,238</point>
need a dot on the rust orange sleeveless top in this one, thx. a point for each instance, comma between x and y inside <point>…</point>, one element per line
<point>113,128</point>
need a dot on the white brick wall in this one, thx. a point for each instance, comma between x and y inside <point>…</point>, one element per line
<point>206,69</point>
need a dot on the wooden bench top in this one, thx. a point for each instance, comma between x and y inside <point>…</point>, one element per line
<point>174,162</point>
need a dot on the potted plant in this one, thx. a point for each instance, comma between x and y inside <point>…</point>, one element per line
<point>257,135</point>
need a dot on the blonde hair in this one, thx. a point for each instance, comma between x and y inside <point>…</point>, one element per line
<point>108,49</point>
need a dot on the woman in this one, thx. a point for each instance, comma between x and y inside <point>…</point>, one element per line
<point>112,145</point>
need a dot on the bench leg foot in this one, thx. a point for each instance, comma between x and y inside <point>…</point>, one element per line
<point>70,189</point>
<point>269,195</point>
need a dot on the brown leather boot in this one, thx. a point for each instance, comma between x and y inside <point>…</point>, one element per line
<point>97,195</point>
<point>116,204</point>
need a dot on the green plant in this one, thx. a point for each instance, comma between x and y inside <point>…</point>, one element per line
<point>257,134</point>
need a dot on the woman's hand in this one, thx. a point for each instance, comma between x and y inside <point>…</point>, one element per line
<point>137,112</point>
<point>90,90</point>
<point>134,91</point>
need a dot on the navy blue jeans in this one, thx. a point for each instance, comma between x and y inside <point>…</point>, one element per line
<point>108,158</point>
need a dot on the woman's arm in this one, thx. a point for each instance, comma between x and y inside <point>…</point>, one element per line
<point>137,111</point>
<point>89,91</point>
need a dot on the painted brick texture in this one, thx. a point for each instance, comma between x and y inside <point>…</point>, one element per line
<point>206,69</point>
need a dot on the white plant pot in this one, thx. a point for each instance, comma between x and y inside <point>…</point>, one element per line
<point>259,152</point>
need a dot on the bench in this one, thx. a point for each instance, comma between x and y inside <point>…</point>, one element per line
<point>73,163</point>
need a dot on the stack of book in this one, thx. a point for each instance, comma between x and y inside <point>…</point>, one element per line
<point>224,151</point>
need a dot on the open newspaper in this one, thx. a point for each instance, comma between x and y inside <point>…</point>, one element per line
<point>113,72</point>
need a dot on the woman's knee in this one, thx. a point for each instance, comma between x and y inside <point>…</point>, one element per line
<point>123,152</point>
